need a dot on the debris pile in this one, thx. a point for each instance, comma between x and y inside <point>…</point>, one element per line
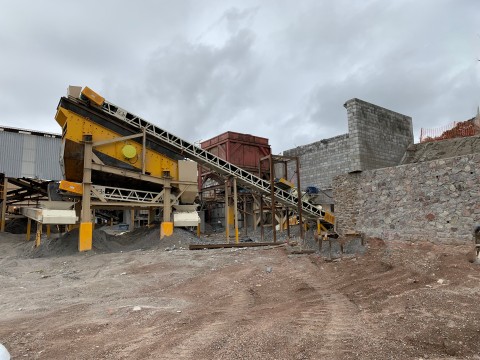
<point>460,129</point>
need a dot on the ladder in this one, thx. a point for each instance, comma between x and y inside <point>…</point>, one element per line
<point>215,163</point>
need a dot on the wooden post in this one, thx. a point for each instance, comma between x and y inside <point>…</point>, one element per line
<point>38,236</point>
<point>48,231</point>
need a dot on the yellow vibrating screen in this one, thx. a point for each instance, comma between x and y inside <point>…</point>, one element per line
<point>78,120</point>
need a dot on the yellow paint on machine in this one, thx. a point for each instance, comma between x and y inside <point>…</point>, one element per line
<point>86,235</point>
<point>93,96</point>
<point>75,126</point>
<point>286,183</point>
<point>73,187</point>
<point>329,217</point>
<point>166,229</point>
<point>231,215</point>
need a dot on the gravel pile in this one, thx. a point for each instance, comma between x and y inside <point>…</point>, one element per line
<point>139,239</point>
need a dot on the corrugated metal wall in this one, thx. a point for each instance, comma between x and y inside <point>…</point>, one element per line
<point>31,156</point>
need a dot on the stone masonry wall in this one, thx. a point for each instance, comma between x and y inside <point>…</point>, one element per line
<point>437,201</point>
<point>377,138</point>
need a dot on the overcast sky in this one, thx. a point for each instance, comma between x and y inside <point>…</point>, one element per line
<point>279,69</point>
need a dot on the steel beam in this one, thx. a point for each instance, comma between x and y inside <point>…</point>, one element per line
<point>239,245</point>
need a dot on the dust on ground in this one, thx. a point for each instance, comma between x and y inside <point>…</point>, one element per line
<point>134,300</point>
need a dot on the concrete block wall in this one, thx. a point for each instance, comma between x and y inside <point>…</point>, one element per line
<point>437,201</point>
<point>320,161</point>
<point>377,137</point>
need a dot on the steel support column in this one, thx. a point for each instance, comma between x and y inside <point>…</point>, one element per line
<point>86,226</point>
<point>29,228</point>
<point>262,230</point>
<point>227,226</point>
<point>245,223</point>
<point>166,229</point>
<point>272,197</point>
<point>3,214</point>
<point>235,205</point>
<point>151,216</point>
<point>299,198</point>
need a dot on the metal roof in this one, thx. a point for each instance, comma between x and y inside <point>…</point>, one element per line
<point>30,154</point>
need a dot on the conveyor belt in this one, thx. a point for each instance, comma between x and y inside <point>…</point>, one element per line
<point>215,163</point>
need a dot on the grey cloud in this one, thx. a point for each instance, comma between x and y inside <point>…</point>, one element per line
<point>201,89</point>
<point>278,69</point>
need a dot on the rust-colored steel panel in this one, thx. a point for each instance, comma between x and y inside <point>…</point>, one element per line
<point>243,150</point>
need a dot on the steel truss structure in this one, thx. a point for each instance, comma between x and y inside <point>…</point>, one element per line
<point>215,163</point>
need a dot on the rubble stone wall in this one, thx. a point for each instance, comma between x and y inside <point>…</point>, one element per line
<point>377,137</point>
<point>437,201</point>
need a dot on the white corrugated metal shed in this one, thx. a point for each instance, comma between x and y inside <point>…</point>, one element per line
<point>30,154</point>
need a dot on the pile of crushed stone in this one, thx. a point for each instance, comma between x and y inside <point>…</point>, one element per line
<point>146,238</point>
<point>138,239</point>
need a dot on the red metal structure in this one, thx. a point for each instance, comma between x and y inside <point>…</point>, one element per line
<point>243,150</point>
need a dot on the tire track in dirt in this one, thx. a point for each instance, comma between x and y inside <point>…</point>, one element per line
<point>329,315</point>
<point>342,329</point>
<point>214,326</point>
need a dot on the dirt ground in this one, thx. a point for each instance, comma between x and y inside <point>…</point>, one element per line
<point>138,301</point>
